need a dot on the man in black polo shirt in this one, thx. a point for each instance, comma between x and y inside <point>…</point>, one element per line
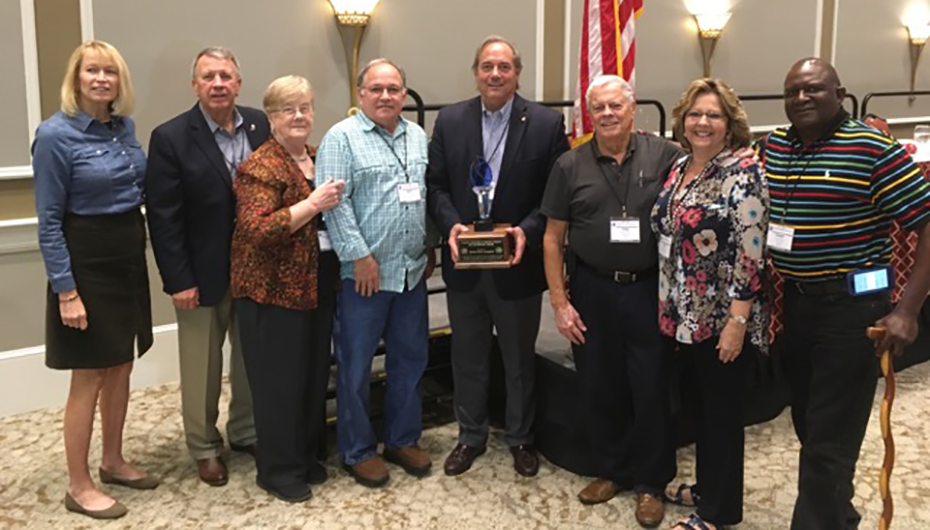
<point>604,191</point>
<point>835,185</point>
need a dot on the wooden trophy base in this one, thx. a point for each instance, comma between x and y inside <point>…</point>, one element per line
<point>485,250</point>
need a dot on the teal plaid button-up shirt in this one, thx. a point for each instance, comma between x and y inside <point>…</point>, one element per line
<point>370,219</point>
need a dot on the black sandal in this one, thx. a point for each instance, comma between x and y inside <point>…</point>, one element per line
<point>679,497</point>
<point>694,522</point>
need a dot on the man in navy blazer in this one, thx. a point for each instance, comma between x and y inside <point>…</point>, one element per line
<point>520,141</point>
<point>191,214</point>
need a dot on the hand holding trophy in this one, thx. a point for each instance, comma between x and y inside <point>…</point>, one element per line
<point>485,245</point>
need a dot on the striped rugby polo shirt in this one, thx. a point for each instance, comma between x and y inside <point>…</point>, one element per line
<point>841,194</point>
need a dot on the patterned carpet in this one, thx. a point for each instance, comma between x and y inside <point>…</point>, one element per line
<point>490,496</point>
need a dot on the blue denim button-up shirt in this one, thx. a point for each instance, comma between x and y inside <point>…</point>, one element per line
<point>84,167</point>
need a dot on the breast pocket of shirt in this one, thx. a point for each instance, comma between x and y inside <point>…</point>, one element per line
<point>92,174</point>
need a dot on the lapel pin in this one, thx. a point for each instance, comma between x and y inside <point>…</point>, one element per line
<point>523,118</point>
<point>252,127</point>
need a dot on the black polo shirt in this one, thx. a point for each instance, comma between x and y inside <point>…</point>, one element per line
<point>587,189</point>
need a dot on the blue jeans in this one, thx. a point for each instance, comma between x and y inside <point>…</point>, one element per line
<point>401,318</point>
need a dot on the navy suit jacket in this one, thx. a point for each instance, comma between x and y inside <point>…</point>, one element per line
<point>536,138</point>
<point>190,206</point>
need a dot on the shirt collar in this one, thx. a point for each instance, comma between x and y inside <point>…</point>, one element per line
<point>368,125</point>
<point>238,120</point>
<point>504,111</point>
<point>630,147</point>
<point>85,120</point>
<point>835,124</point>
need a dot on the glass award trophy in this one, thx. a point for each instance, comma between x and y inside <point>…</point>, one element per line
<point>486,245</point>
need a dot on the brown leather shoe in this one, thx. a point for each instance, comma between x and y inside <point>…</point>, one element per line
<point>247,448</point>
<point>213,471</point>
<point>461,458</point>
<point>371,473</point>
<point>414,460</point>
<point>525,460</point>
<point>598,491</point>
<point>650,509</point>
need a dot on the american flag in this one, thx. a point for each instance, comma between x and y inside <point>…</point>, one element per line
<point>608,46</point>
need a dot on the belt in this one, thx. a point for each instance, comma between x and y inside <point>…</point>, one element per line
<point>623,277</point>
<point>821,288</point>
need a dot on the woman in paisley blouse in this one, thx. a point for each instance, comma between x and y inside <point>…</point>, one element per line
<point>711,219</point>
<point>284,283</point>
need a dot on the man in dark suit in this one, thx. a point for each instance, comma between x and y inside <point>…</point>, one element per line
<point>519,140</point>
<point>191,214</point>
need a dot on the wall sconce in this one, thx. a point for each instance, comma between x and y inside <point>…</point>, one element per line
<point>353,17</point>
<point>917,37</point>
<point>710,26</point>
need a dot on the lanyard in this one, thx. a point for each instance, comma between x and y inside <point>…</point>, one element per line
<point>500,139</point>
<point>403,163</point>
<point>675,206</point>
<point>626,191</point>
<point>794,183</point>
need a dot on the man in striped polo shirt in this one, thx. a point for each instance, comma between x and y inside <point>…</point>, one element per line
<point>836,186</point>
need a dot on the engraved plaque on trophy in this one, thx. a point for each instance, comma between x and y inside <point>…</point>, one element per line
<point>486,245</point>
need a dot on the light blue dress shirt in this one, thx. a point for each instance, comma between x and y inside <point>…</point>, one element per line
<point>494,128</point>
<point>371,219</point>
<point>235,147</point>
<point>84,167</point>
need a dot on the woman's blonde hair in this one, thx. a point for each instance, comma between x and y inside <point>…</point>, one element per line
<point>125,100</point>
<point>738,134</point>
<point>283,89</point>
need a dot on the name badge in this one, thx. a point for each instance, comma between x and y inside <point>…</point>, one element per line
<point>409,192</point>
<point>325,243</point>
<point>624,230</point>
<point>665,247</point>
<point>780,237</point>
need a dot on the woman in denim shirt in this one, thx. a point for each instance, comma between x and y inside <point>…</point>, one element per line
<point>711,219</point>
<point>89,172</point>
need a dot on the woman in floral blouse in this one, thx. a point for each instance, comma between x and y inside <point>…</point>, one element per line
<point>711,219</point>
<point>283,283</point>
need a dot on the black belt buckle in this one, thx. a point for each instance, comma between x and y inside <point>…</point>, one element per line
<point>624,277</point>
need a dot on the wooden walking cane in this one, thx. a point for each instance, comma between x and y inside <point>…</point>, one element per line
<point>877,333</point>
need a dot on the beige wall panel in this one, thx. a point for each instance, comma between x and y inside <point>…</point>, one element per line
<point>877,59</point>
<point>433,41</point>
<point>16,199</point>
<point>14,135</point>
<point>22,313</point>
<point>753,53</point>
<point>58,33</point>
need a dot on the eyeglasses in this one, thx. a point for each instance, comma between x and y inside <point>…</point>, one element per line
<point>290,112</point>
<point>711,116</point>
<point>377,90</point>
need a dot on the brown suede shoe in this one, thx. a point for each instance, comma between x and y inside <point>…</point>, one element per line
<point>650,509</point>
<point>113,512</point>
<point>145,483</point>
<point>598,491</point>
<point>414,460</point>
<point>213,471</point>
<point>461,458</point>
<point>371,473</point>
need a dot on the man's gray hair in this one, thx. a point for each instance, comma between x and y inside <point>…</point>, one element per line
<point>604,80</point>
<point>375,62</point>
<point>217,52</point>
<point>495,39</point>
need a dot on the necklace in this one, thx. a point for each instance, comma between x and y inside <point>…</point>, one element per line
<point>301,158</point>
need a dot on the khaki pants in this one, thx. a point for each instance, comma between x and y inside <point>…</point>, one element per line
<point>201,334</point>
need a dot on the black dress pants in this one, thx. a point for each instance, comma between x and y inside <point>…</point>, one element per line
<point>287,359</point>
<point>623,380</point>
<point>833,370</point>
<point>717,391</point>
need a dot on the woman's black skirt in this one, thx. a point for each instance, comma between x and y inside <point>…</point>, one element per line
<point>108,263</point>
